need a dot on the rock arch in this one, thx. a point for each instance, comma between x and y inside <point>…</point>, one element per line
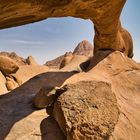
<point>104,14</point>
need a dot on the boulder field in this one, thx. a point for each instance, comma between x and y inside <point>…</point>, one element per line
<point>15,70</point>
<point>101,103</point>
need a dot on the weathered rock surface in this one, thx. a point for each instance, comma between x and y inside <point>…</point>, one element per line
<point>7,65</point>
<point>128,42</point>
<point>3,88</point>
<point>24,73</point>
<point>37,126</point>
<point>30,123</point>
<point>44,98</point>
<point>114,102</point>
<point>66,60</point>
<point>104,14</point>
<point>11,84</point>
<point>113,68</point>
<point>73,63</point>
<point>29,71</point>
<point>87,110</point>
<point>20,120</point>
<point>31,60</point>
<point>47,96</point>
<point>84,48</point>
<point>55,63</point>
<point>19,60</point>
<point>124,76</point>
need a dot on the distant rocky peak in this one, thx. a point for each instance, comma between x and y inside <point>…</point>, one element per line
<point>84,48</point>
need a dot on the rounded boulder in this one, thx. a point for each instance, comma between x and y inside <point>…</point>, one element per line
<point>7,65</point>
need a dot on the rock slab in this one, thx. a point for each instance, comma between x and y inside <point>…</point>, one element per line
<point>87,110</point>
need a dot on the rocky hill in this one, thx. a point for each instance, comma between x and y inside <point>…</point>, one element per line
<point>30,60</point>
<point>15,70</point>
<point>83,48</point>
<point>19,60</point>
<point>55,63</point>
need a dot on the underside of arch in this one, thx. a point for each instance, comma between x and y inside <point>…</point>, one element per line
<point>105,14</point>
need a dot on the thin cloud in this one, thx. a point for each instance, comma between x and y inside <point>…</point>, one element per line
<point>24,42</point>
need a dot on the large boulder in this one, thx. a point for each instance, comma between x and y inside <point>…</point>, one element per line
<point>124,76</point>
<point>128,42</point>
<point>47,96</point>
<point>7,65</point>
<point>87,110</point>
<point>11,84</point>
<point>44,98</point>
<point>19,60</point>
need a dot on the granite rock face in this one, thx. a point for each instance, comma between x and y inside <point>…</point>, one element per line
<point>87,110</point>
<point>55,63</point>
<point>84,48</point>
<point>123,74</point>
<point>104,14</point>
<point>29,71</point>
<point>109,91</point>
<point>7,65</point>
<point>67,59</point>
<point>3,88</point>
<point>20,120</point>
<point>19,60</point>
<point>101,103</point>
<point>11,83</point>
<point>30,60</point>
<point>73,63</point>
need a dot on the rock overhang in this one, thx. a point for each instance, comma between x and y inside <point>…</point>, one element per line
<point>105,14</point>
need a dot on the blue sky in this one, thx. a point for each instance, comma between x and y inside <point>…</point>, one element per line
<point>131,21</point>
<point>50,38</point>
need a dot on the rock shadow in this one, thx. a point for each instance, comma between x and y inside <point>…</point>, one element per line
<point>50,130</point>
<point>17,104</point>
<point>97,58</point>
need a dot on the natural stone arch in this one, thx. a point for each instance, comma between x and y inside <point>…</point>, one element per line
<point>104,14</point>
